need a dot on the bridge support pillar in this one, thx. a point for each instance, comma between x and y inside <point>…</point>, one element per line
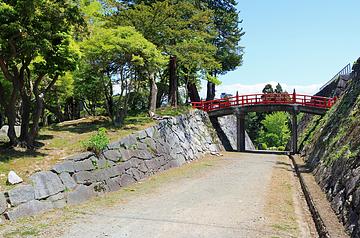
<point>240,122</point>
<point>294,133</point>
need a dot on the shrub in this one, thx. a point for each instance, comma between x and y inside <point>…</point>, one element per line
<point>97,142</point>
<point>281,148</point>
<point>263,146</point>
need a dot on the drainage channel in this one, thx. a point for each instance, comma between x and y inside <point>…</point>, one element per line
<point>319,223</point>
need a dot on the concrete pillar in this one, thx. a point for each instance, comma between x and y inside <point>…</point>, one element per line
<point>294,133</point>
<point>240,122</point>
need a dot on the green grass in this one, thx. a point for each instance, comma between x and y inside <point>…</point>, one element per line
<point>22,232</point>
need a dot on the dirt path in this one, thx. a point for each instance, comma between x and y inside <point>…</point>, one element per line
<point>237,195</point>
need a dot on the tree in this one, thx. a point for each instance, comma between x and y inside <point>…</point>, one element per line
<point>123,55</point>
<point>172,26</point>
<point>276,130</point>
<point>35,50</point>
<point>228,35</point>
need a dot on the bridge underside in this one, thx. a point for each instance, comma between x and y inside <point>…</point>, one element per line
<point>241,111</point>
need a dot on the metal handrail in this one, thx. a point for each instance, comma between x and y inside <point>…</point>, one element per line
<point>345,71</point>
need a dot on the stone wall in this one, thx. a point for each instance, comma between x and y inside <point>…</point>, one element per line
<point>171,143</point>
<point>333,152</point>
<point>228,126</point>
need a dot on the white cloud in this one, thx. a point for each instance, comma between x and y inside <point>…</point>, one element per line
<point>310,89</point>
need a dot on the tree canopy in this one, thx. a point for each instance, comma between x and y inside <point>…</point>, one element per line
<point>64,59</point>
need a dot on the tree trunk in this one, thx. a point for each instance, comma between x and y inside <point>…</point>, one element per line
<point>173,82</point>
<point>25,116</point>
<point>39,107</point>
<point>193,92</point>
<point>10,111</point>
<point>11,116</point>
<point>108,92</point>
<point>153,94</point>
<point>210,91</point>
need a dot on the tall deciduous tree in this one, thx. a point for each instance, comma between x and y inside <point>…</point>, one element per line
<point>35,49</point>
<point>171,25</point>
<point>122,54</point>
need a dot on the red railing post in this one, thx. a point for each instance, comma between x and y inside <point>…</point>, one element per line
<point>294,96</point>
<point>237,98</point>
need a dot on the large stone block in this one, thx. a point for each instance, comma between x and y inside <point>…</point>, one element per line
<point>67,166</point>
<point>84,165</point>
<point>56,197</point>
<point>3,203</point>
<point>126,180</point>
<point>84,177</point>
<point>114,146</point>
<point>152,165</point>
<point>136,174</point>
<point>80,194</point>
<point>116,170</point>
<point>112,155</point>
<point>150,132</point>
<point>141,146</point>
<point>21,194</point>
<point>101,175</point>
<point>128,142</point>
<point>28,209</point>
<point>133,163</point>
<point>150,144</point>
<point>141,135</point>
<point>79,157</point>
<point>113,184</point>
<point>67,180</point>
<point>46,184</point>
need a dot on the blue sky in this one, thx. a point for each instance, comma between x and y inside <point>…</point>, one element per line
<point>300,44</point>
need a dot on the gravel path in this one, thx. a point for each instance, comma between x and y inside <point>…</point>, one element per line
<point>228,200</point>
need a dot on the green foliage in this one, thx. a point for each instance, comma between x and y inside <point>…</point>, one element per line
<point>36,48</point>
<point>281,148</point>
<point>276,131</point>
<point>263,146</point>
<point>228,34</point>
<point>97,142</point>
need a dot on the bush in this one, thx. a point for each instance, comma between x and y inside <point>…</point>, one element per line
<point>281,148</point>
<point>97,142</point>
<point>263,146</point>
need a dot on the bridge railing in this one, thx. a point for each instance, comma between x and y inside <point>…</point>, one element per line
<point>265,99</point>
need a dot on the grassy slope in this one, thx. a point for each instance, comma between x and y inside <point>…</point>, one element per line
<point>336,135</point>
<point>65,139</point>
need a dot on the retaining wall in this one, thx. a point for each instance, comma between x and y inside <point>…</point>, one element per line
<point>171,143</point>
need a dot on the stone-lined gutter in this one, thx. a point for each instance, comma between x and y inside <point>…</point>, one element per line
<point>319,223</point>
<point>326,222</point>
<point>169,144</point>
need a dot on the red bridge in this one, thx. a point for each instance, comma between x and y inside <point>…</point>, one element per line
<point>240,105</point>
<point>266,99</point>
